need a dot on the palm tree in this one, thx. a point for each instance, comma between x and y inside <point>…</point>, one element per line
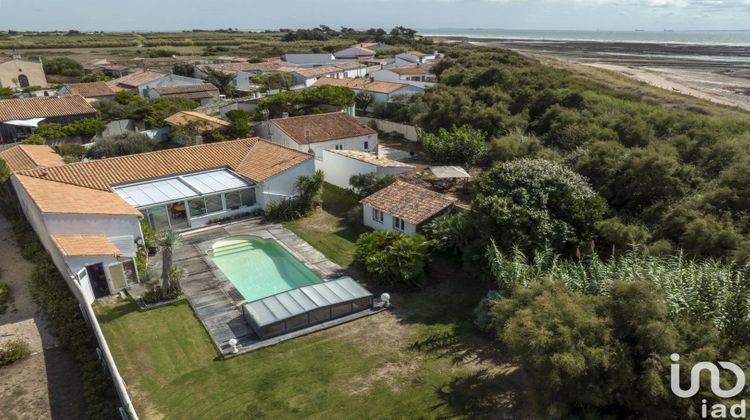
<point>168,242</point>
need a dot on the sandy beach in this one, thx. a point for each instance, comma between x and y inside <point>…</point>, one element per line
<point>717,73</point>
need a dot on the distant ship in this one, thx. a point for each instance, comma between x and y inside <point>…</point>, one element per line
<point>640,30</point>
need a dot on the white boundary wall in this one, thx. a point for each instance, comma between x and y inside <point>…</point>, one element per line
<point>408,131</point>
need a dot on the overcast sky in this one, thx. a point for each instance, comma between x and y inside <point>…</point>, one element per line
<point>271,14</point>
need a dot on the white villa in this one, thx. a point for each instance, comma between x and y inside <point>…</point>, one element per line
<point>404,207</point>
<point>87,214</point>
<point>418,75</point>
<point>318,132</point>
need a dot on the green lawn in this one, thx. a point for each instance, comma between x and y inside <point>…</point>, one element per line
<point>424,358</point>
<point>334,228</point>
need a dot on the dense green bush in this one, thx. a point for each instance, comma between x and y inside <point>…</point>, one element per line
<point>602,356</point>
<point>459,145</point>
<point>308,101</point>
<point>366,184</point>
<point>120,145</point>
<point>62,65</point>
<point>394,259</point>
<point>654,164</point>
<point>85,128</point>
<point>534,203</point>
<point>13,350</point>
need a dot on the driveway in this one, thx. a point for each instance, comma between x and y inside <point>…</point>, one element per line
<point>47,383</point>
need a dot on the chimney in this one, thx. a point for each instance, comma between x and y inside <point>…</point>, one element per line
<point>284,115</point>
<point>198,139</point>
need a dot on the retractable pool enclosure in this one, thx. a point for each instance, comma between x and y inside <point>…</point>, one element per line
<point>306,306</point>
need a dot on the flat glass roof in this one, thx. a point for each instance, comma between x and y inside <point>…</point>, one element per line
<point>294,302</point>
<point>165,190</point>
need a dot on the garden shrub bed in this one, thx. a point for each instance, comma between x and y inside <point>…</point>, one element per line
<point>13,350</point>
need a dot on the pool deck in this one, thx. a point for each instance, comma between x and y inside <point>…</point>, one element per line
<point>216,301</point>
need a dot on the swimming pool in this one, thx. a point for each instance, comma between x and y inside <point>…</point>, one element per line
<point>258,267</point>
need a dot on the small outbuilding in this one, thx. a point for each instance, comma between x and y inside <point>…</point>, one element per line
<point>340,165</point>
<point>404,207</point>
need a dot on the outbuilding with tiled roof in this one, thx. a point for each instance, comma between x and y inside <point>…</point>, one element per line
<point>404,207</point>
<point>30,156</point>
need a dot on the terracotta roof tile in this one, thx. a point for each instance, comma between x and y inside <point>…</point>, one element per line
<point>134,80</point>
<point>202,120</point>
<point>56,197</point>
<point>90,90</point>
<point>44,107</point>
<point>410,202</point>
<point>203,90</point>
<point>85,245</point>
<point>27,156</point>
<point>361,84</point>
<point>238,155</point>
<point>317,128</point>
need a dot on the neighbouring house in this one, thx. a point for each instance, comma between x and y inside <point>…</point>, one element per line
<point>18,117</point>
<point>142,82</point>
<point>30,156</point>
<point>404,207</point>
<point>92,91</point>
<point>340,165</point>
<point>18,73</point>
<point>205,93</point>
<point>197,121</point>
<point>381,91</point>
<point>87,214</point>
<point>419,76</point>
<point>308,76</point>
<point>411,58</point>
<point>309,60</point>
<point>355,52</point>
<point>318,132</point>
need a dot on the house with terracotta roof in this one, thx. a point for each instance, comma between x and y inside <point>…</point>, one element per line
<point>143,81</point>
<point>318,132</point>
<point>30,156</point>
<point>87,214</point>
<point>308,76</point>
<point>417,75</point>
<point>404,207</point>
<point>382,92</point>
<point>19,116</point>
<point>205,93</point>
<point>340,165</point>
<point>92,91</point>
<point>196,124</point>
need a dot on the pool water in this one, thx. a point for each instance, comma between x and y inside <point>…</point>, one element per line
<point>260,268</point>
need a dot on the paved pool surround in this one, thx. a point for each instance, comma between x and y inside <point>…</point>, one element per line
<point>216,301</point>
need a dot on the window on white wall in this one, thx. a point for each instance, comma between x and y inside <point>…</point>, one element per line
<point>377,215</point>
<point>398,223</point>
<point>367,145</point>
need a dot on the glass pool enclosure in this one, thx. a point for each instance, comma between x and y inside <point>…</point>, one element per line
<point>305,306</point>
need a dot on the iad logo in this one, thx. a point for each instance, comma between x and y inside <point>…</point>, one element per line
<point>718,411</point>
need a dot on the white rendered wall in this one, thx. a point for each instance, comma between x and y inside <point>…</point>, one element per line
<point>387,224</point>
